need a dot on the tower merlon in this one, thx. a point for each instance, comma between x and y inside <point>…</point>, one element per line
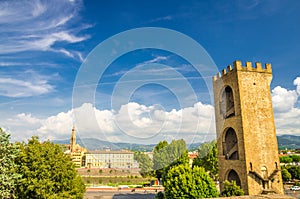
<point>249,67</point>
<point>216,77</point>
<point>238,66</point>
<point>224,72</point>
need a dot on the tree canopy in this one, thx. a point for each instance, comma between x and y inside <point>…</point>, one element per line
<point>295,158</point>
<point>285,159</point>
<point>294,171</point>
<point>181,181</point>
<point>8,175</point>
<point>145,164</point>
<point>46,172</point>
<point>166,155</point>
<point>208,158</point>
<point>286,176</point>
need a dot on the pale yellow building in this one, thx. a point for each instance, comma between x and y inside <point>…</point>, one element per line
<point>110,159</point>
<point>76,151</point>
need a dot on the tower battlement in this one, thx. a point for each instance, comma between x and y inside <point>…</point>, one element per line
<point>237,66</point>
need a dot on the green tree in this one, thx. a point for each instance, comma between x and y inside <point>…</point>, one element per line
<point>294,171</point>
<point>286,176</point>
<point>297,184</point>
<point>47,172</point>
<point>166,155</point>
<point>8,175</point>
<point>181,181</point>
<point>232,189</point>
<point>160,195</point>
<point>145,164</point>
<point>295,158</point>
<point>285,159</point>
<point>158,154</point>
<point>208,158</point>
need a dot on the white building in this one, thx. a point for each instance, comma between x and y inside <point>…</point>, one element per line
<point>110,159</point>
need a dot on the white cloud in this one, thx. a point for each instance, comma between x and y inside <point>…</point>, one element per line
<point>297,83</point>
<point>21,126</point>
<point>286,112</point>
<point>283,99</point>
<point>156,59</point>
<point>21,118</point>
<point>139,123</point>
<point>39,25</point>
<point>132,123</point>
<point>58,124</point>
<point>164,18</point>
<point>29,84</point>
<point>19,88</point>
<point>142,121</point>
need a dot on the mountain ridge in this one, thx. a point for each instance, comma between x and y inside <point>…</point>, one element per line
<point>284,142</point>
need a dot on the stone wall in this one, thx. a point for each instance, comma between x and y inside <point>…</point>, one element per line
<point>254,156</point>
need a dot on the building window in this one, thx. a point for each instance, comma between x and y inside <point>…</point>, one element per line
<point>227,103</point>
<point>230,145</point>
<point>233,176</point>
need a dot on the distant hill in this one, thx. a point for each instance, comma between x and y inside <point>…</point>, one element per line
<point>284,142</point>
<point>96,144</point>
<point>288,141</point>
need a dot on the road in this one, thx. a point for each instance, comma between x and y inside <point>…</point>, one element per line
<point>295,194</point>
<point>118,195</point>
<point>150,194</point>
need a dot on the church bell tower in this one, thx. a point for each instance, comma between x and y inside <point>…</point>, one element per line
<point>73,140</point>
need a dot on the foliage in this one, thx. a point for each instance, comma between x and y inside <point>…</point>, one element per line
<point>145,164</point>
<point>63,147</point>
<point>181,181</point>
<point>289,159</point>
<point>8,175</point>
<point>297,184</point>
<point>169,154</point>
<point>47,172</point>
<point>208,158</point>
<point>157,158</point>
<point>295,158</point>
<point>160,195</point>
<point>294,171</point>
<point>285,159</point>
<point>232,189</point>
<point>286,176</point>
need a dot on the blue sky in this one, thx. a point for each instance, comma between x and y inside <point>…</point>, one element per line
<point>43,45</point>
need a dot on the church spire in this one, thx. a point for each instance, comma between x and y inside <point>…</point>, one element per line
<point>73,140</point>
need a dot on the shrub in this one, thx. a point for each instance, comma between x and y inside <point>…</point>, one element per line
<point>232,189</point>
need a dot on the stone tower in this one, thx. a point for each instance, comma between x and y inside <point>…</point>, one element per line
<point>247,143</point>
<point>73,140</point>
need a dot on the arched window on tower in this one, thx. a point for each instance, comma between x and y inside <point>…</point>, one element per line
<point>233,176</point>
<point>227,103</point>
<point>230,145</point>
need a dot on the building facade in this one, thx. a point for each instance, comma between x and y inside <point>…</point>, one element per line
<point>99,159</point>
<point>110,159</point>
<point>247,143</point>
<point>75,151</point>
